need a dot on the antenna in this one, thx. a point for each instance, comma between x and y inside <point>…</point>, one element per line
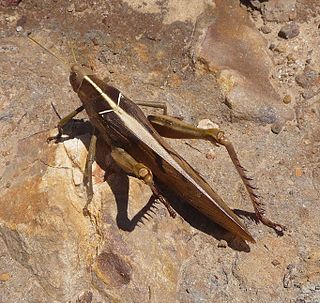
<point>49,51</point>
<point>70,45</point>
<point>72,51</point>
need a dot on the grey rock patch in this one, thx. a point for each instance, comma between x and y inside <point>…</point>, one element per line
<point>276,10</point>
<point>308,78</point>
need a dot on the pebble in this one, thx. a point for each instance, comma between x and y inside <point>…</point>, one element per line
<point>4,277</point>
<point>85,297</point>
<point>265,29</point>
<point>307,78</point>
<point>272,46</point>
<point>289,31</point>
<point>286,99</point>
<point>10,19</point>
<point>310,93</point>
<point>281,48</point>
<point>291,58</point>
<point>255,15</point>
<point>276,127</point>
<point>222,244</point>
<point>80,7</point>
<point>19,28</point>
<point>275,262</point>
<point>210,155</point>
<point>206,124</point>
<point>298,172</point>
<point>71,8</point>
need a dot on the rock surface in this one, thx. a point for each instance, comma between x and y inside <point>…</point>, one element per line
<point>233,48</point>
<point>208,62</point>
<point>276,10</point>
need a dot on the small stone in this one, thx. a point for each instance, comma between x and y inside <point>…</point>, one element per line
<point>286,99</point>
<point>289,31</point>
<point>255,15</point>
<point>10,19</point>
<point>310,93</point>
<point>279,61</point>
<point>4,277</point>
<point>308,78</point>
<point>71,8</point>
<point>298,172</point>
<point>19,28</point>
<point>265,29</point>
<point>275,262</point>
<point>222,244</point>
<point>276,127</point>
<point>272,46</point>
<point>85,297</point>
<point>291,58</point>
<point>80,7</point>
<point>206,124</point>
<point>210,155</point>
<point>281,48</point>
<point>277,11</point>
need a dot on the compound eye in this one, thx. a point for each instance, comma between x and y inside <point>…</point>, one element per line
<point>73,76</point>
<point>74,81</point>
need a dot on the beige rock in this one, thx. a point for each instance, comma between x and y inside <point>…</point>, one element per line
<point>234,49</point>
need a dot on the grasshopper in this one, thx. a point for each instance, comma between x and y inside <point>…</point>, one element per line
<point>138,147</point>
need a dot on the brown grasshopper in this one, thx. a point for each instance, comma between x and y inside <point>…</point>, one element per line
<point>138,148</point>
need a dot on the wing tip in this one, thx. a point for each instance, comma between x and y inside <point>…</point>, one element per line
<point>250,239</point>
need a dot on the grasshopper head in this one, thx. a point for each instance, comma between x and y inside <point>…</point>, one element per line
<point>77,74</point>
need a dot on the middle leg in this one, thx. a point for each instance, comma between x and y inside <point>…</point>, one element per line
<point>140,171</point>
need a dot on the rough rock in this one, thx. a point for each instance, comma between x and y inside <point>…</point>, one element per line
<point>51,252</point>
<point>265,29</point>
<point>310,93</point>
<point>7,3</point>
<point>276,10</point>
<point>37,226</point>
<point>245,83</point>
<point>307,9</point>
<point>308,78</point>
